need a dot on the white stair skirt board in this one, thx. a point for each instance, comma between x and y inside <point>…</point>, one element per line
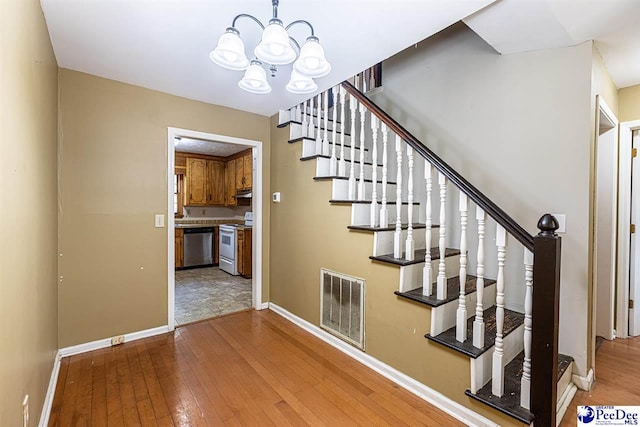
<point>106,342</point>
<point>456,410</point>
<point>361,213</point>
<point>323,168</point>
<point>411,275</point>
<point>51,390</point>
<point>340,189</point>
<point>383,240</point>
<point>565,390</point>
<point>481,366</point>
<point>444,316</point>
<point>583,383</point>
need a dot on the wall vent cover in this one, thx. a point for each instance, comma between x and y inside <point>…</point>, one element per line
<point>342,306</point>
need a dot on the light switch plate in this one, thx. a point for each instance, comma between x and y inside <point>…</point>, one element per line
<point>562,222</point>
<point>159,220</point>
<point>276,197</point>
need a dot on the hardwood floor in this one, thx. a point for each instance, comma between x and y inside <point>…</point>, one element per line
<point>617,367</point>
<point>246,369</point>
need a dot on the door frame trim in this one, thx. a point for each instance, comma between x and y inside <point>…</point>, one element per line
<point>624,220</point>
<point>257,202</point>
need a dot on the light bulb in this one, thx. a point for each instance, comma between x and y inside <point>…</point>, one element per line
<point>312,63</point>
<point>230,56</point>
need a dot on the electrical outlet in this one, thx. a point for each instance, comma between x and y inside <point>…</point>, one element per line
<point>25,411</point>
<point>117,340</point>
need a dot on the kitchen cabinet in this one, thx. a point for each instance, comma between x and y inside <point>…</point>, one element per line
<point>205,182</point>
<point>216,245</point>
<point>179,247</point>
<point>230,183</point>
<point>244,169</point>
<point>243,256</point>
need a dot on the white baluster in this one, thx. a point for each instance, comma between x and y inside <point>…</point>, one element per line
<point>342,165</point>
<point>397,236</point>
<point>325,140</point>
<point>318,121</point>
<point>410,244</point>
<point>305,124</point>
<point>426,271</point>
<point>311,129</point>
<point>353,104</point>
<point>384,213</point>
<point>461,313</point>
<point>525,381</point>
<point>478,322</point>
<point>441,287</point>
<point>292,114</point>
<point>497,383</point>
<point>298,113</point>
<point>374,175</point>
<point>361,186</point>
<point>333,163</point>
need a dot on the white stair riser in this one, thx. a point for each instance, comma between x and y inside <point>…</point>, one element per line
<point>286,116</point>
<point>481,367</point>
<point>383,240</point>
<point>309,149</point>
<point>340,189</point>
<point>361,213</point>
<point>411,275</point>
<point>444,317</point>
<point>323,167</point>
<point>295,131</point>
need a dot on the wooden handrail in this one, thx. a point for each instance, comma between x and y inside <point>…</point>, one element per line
<point>458,180</point>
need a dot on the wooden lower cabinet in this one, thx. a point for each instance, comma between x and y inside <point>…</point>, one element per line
<point>244,252</point>
<point>179,249</point>
<point>216,245</point>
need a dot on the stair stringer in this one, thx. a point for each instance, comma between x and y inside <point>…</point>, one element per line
<point>480,368</point>
<point>443,317</point>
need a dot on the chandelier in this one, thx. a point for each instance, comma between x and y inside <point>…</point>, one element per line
<point>275,48</point>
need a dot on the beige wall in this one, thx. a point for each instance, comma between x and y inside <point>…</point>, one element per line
<point>113,179</point>
<point>629,103</point>
<point>28,304</point>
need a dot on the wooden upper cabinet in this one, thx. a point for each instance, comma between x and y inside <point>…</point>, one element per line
<point>196,181</point>
<point>230,183</point>
<point>248,170</point>
<point>215,183</point>
<point>240,173</point>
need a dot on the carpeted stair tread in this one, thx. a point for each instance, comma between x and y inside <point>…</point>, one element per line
<point>453,291</point>
<point>419,256</point>
<point>512,320</point>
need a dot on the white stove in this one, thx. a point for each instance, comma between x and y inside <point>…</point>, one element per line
<point>228,244</point>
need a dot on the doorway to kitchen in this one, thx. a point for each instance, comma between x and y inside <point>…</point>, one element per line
<point>215,231</point>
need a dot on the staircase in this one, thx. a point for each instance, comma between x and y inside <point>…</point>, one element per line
<point>417,210</point>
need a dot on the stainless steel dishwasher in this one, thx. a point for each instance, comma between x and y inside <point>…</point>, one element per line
<point>198,246</point>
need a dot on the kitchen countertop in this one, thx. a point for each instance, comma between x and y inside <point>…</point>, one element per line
<point>194,225</point>
<point>205,222</point>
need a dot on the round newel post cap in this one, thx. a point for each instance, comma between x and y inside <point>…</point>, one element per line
<point>548,224</point>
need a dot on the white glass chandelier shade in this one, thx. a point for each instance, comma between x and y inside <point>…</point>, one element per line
<point>229,53</point>
<point>301,84</point>
<point>275,47</point>
<point>255,79</point>
<point>312,61</point>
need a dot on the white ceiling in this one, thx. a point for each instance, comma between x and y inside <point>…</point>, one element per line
<point>211,148</point>
<point>513,26</point>
<point>165,44</point>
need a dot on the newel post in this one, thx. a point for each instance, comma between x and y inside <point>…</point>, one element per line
<point>545,313</point>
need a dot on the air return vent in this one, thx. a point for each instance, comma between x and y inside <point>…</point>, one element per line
<point>342,306</point>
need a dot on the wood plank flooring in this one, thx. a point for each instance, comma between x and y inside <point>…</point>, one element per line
<point>246,369</point>
<point>617,367</point>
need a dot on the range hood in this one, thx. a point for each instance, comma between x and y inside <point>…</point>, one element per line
<point>243,194</point>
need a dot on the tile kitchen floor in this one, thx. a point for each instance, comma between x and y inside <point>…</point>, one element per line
<point>202,293</point>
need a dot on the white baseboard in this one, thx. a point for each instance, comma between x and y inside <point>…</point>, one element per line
<point>51,390</point>
<point>564,401</point>
<point>106,342</point>
<point>264,306</point>
<point>447,405</point>
<point>583,383</point>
